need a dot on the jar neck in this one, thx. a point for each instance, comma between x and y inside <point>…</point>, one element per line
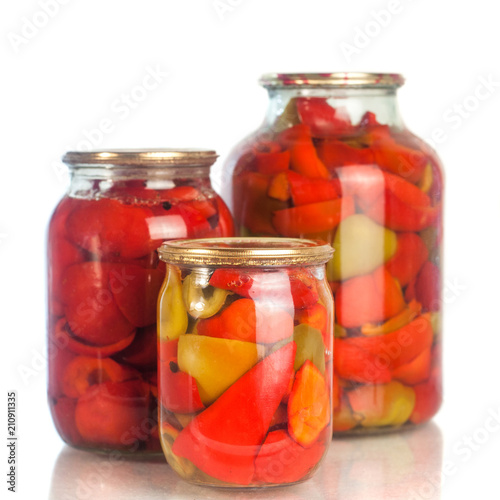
<point>355,101</point>
<point>91,181</point>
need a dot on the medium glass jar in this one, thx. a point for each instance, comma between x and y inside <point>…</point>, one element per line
<point>104,278</point>
<point>245,360</point>
<point>333,160</point>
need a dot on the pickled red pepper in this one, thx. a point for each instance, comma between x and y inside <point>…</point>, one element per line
<point>374,192</point>
<point>245,384</point>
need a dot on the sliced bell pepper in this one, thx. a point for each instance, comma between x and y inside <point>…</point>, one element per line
<point>108,227</point>
<point>398,159</point>
<point>172,314</point>
<point>410,256</point>
<point>108,414</point>
<point>380,405</point>
<point>310,347</point>
<point>399,347</point>
<point>312,218</point>
<point>251,321</point>
<point>216,363</point>
<point>178,390</point>
<point>252,205</point>
<point>270,160</point>
<point>407,315</point>
<point>303,156</point>
<point>415,371</point>
<point>360,247</point>
<point>428,287</point>
<point>135,291</point>
<point>321,118</point>
<point>335,153</point>
<point>301,189</point>
<point>90,308</point>
<point>305,190</point>
<point>315,316</point>
<point>279,187</point>
<point>358,365</point>
<point>278,287</point>
<point>202,301</point>
<point>83,372</point>
<point>224,439</point>
<point>233,280</point>
<point>282,460</point>
<point>303,287</point>
<point>402,207</point>
<point>368,299</point>
<point>309,405</point>
<point>411,194</point>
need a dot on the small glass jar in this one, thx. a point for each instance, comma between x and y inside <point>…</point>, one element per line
<point>333,160</point>
<point>245,360</point>
<point>104,279</point>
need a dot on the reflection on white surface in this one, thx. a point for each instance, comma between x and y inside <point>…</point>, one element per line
<point>397,466</point>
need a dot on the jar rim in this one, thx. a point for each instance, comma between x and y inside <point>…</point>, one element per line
<point>332,80</point>
<point>246,252</point>
<point>140,158</point>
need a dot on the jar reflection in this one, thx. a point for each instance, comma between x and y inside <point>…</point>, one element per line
<point>405,465</point>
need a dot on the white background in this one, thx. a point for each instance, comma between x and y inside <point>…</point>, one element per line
<point>58,85</point>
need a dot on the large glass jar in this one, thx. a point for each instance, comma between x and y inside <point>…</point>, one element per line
<point>104,278</point>
<point>245,360</point>
<point>333,160</point>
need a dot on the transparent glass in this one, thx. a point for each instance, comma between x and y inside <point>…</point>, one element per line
<point>245,373</point>
<point>339,165</point>
<point>104,276</point>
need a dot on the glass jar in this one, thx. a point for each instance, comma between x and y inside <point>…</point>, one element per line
<point>245,360</point>
<point>104,276</point>
<point>333,160</point>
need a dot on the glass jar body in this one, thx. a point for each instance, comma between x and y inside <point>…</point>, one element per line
<point>104,276</point>
<point>245,373</point>
<point>339,165</point>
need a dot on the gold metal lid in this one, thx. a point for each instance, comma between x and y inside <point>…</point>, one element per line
<point>157,158</point>
<point>332,80</point>
<point>245,252</point>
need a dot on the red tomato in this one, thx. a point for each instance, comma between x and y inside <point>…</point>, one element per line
<point>90,308</point>
<point>113,413</point>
